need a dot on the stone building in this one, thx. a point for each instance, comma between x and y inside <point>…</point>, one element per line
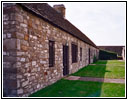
<point>40,46</point>
<point>123,53</point>
<point>117,49</point>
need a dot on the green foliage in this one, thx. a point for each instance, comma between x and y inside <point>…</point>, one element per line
<point>94,59</point>
<point>119,58</point>
<point>107,55</point>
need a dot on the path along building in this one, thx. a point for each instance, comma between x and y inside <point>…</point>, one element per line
<point>40,46</point>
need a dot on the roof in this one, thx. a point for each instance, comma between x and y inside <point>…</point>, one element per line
<point>117,49</point>
<point>111,46</point>
<point>46,12</point>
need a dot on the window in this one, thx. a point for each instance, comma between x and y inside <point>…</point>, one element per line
<point>74,53</point>
<point>51,54</point>
<point>80,54</point>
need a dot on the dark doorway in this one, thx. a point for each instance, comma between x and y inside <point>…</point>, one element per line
<point>65,60</point>
<point>89,56</point>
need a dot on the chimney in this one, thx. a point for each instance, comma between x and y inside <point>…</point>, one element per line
<point>60,9</point>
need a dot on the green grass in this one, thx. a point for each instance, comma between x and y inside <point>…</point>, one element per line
<point>103,69</point>
<point>101,62</point>
<point>73,88</point>
<point>116,62</point>
<point>68,88</point>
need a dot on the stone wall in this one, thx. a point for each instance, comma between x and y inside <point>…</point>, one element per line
<point>123,53</point>
<point>26,52</point>
<point>9,50</point>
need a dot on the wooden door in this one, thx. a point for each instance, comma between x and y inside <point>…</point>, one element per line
<point>89,56</point>
<point>65,60</point>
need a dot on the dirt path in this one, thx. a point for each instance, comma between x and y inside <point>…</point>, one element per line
<point>106,80</point>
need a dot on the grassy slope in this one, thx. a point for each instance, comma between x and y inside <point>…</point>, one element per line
<point>107,69</point>
<point>68,88</point>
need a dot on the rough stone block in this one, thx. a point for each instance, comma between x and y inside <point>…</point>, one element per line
<point>39,28</point>
<point>25,48</point>
<point>9,59</point>
<point>23,25</point>
<point>18,83</point>
<point>25,30</point>
<point>20,91</point>
<point>18,44</point>
<point>38,86</point>
<point>19,35</point>
<point>4,53</point>
<point>34,26</point>
<point>24,83</point>
<point>33,63</point>
<point>4,36</point>
<point>25,21</point>
<point>10,44</point>
<point>19,18</point>
<point>22,60</point>
<point>6,64</point>
<point>35,37</point>
<point>9,35</point>
<point>18,64</point>
<point>43,62</point>
<point>27,64</point>
<point>24,42</point>
<point>5,17</point>
<point>26,37</point>
<point>19,76</point>
<point>20,53</point>
<point>38,68</point>
<point>14,92</point>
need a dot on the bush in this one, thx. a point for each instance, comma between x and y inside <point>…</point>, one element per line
<point>119,58</point>
<point>94,59</point>
<point>107,55</point>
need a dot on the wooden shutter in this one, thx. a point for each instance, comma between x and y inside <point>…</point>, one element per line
<point>74,53</point>
<point>80,54</point>
<point>51,54</point>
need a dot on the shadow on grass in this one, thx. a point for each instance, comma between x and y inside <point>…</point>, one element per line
<point>76,88</point>
<point>98,70</point>
<point>98,92</point>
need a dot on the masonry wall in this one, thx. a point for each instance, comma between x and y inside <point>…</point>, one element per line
<point>9,51</point>
<point>123,53</point>
<point>31,53</point>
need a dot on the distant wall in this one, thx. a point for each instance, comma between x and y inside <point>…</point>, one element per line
<point>116,49</point>
<point>123,53</point>
<point>106,55</point>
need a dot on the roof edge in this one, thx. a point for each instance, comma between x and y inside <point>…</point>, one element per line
<point>38,15</point>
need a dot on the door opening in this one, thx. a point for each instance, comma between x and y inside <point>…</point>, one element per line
<point>65,60</point>
<point>89,56</point>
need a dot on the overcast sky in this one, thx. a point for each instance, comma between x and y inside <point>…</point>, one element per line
<point>103,22</point>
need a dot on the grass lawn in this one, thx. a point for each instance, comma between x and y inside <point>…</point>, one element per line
<point>68,88</point>
<point>107,69</point>
<point>77,88</point>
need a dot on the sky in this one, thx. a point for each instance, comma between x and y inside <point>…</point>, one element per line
<point>103,22</point>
